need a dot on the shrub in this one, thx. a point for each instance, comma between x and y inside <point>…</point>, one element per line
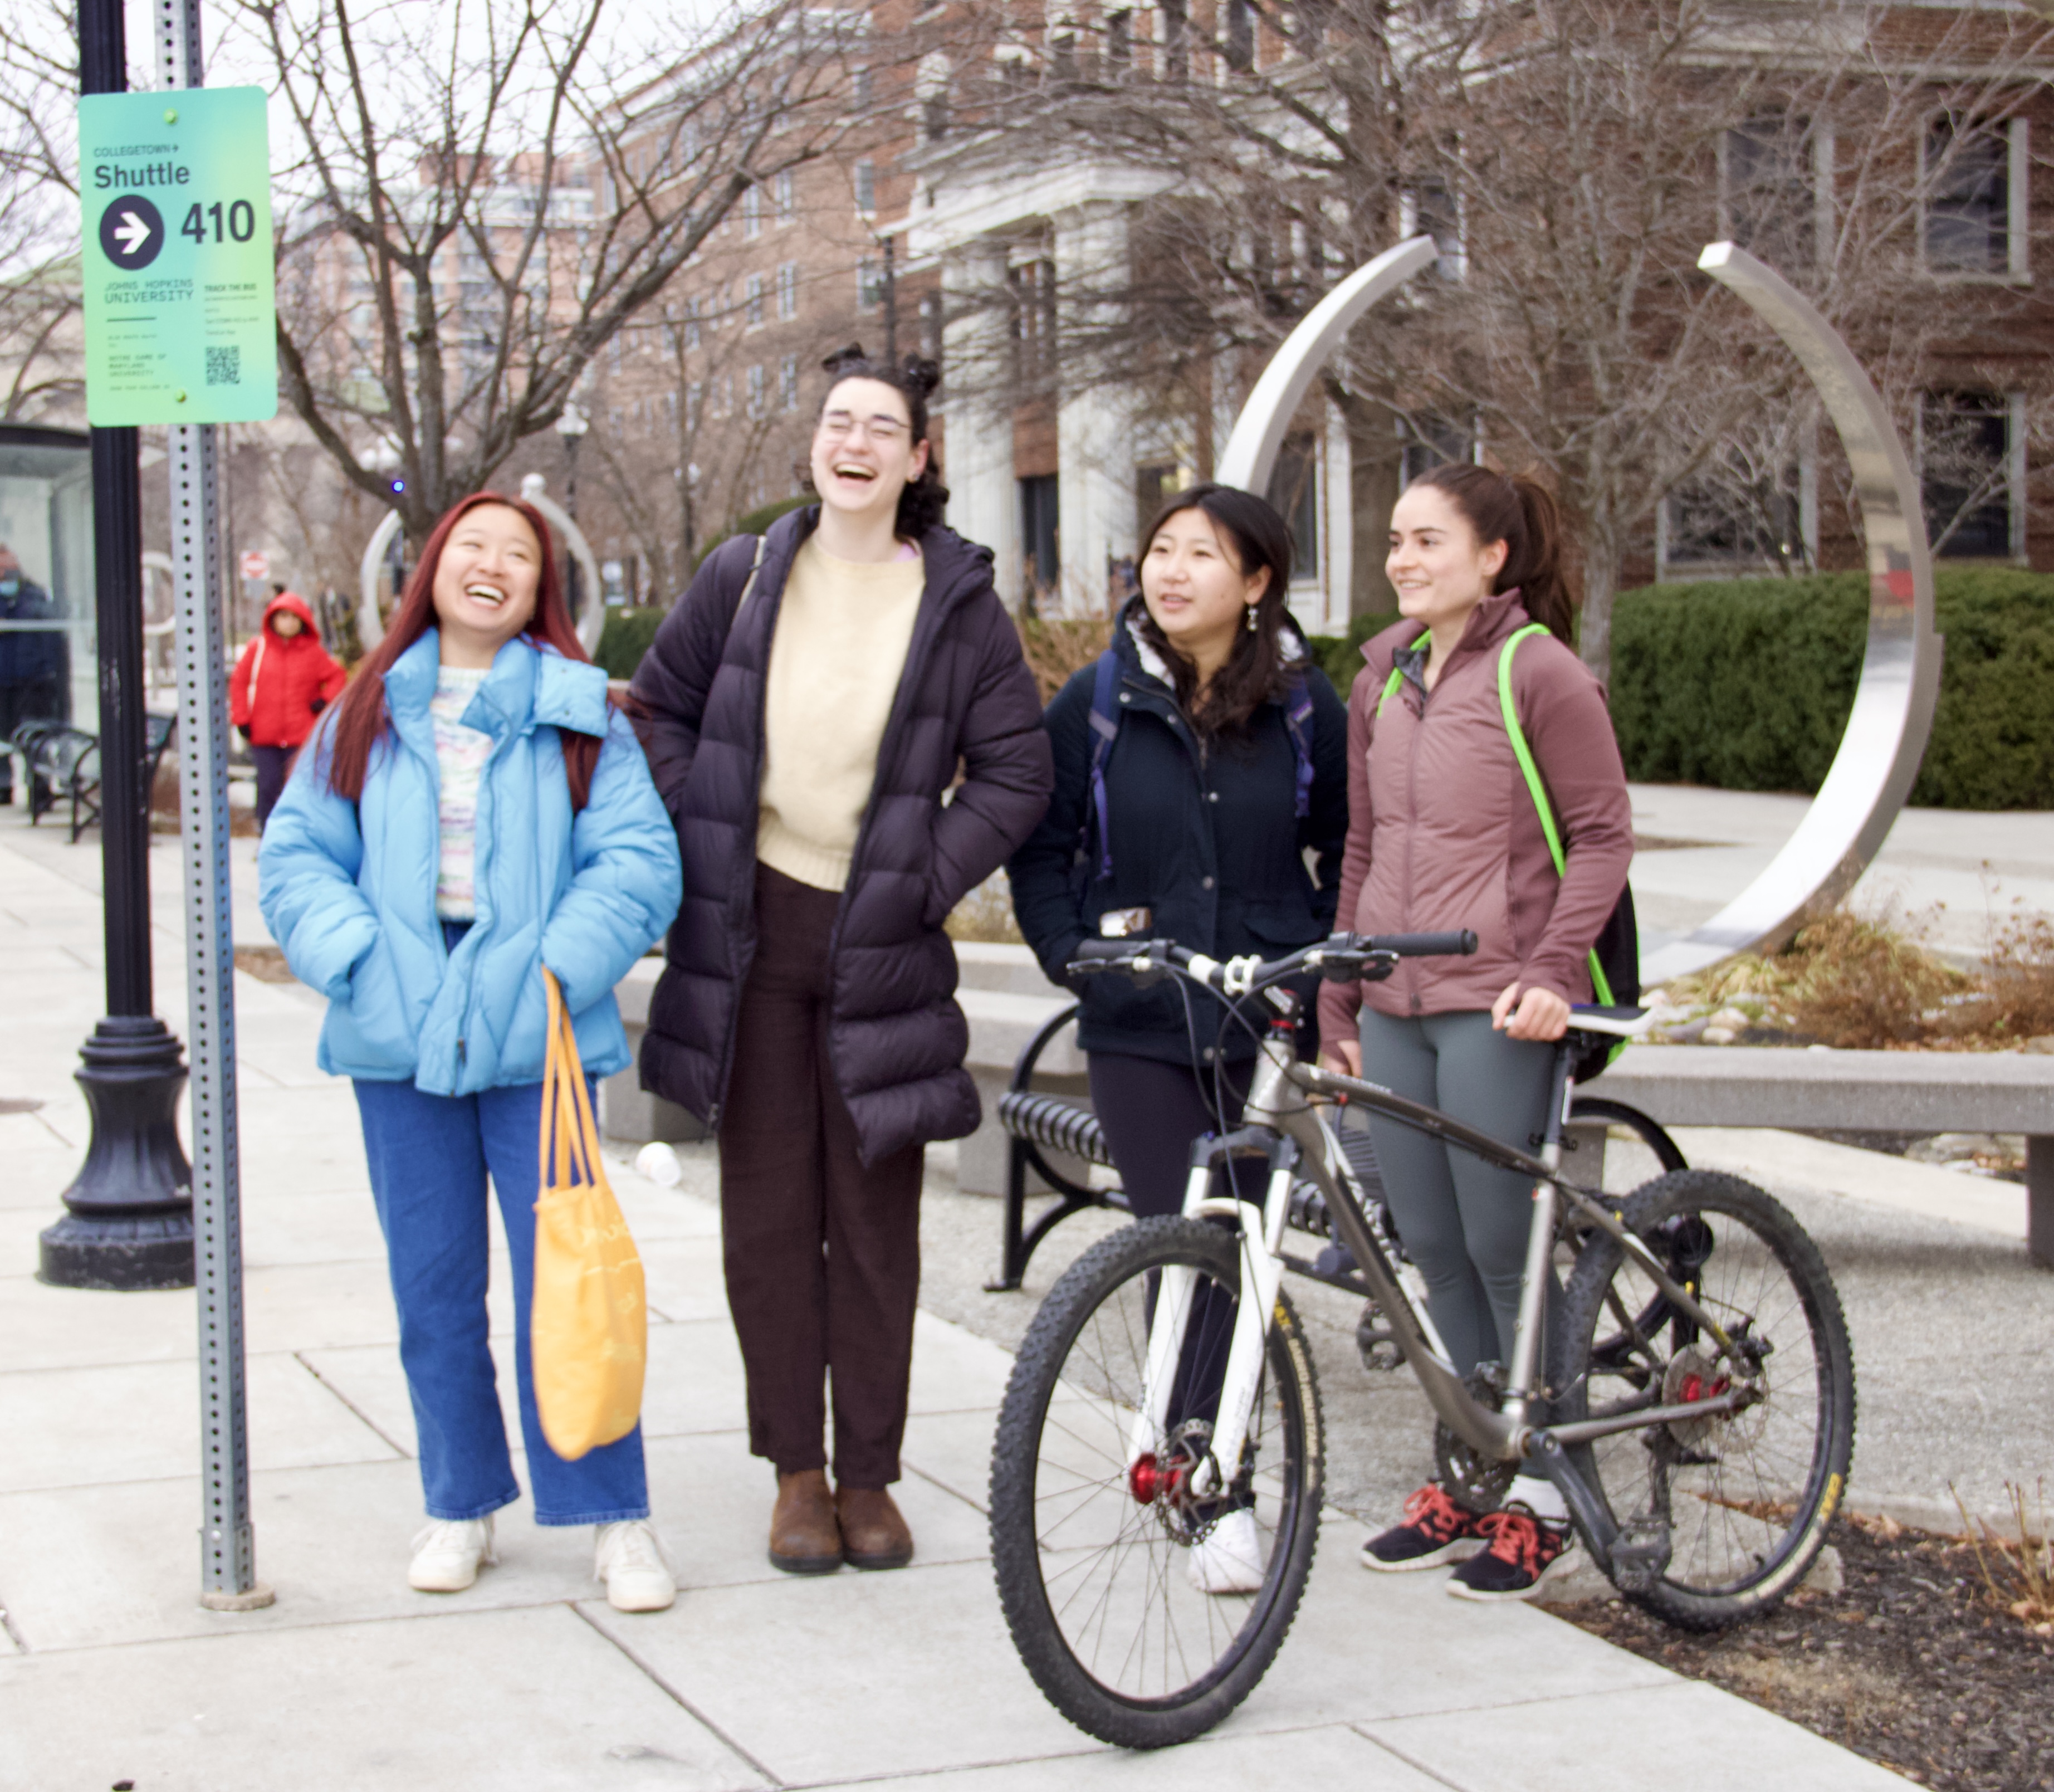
<point>1339,657</point>
<point>1746,684</point>
<point>1057,650</point>
<point>754,523</point>
<point>626,638</point>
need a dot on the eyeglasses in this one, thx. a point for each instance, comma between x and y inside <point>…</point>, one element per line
<point>838,426</point>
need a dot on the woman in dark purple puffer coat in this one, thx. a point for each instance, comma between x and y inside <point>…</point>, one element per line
<point>805,708</point>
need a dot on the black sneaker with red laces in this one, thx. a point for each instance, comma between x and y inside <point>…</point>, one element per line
<point>1523,1551</point>
<point>1435,1531</point>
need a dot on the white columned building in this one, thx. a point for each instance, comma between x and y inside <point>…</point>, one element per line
<point>984,503</point>
<point>1094,415</point>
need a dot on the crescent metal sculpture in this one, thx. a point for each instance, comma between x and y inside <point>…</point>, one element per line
<point>370,626</point>
<point>1885,734</point>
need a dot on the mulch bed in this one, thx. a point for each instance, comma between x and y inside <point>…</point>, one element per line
<point>1914,1663</point>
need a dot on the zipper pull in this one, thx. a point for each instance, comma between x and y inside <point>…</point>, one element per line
<point>459,1051</point>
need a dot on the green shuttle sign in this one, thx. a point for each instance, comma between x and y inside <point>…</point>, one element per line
<point>181,307</point>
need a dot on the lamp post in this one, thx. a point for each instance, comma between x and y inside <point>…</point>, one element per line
<point>572,426</point>
<point>129,1218</point>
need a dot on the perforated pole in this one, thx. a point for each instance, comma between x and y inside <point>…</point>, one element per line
<point>228,1553</point>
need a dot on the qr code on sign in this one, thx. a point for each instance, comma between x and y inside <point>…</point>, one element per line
<point>224,367</point>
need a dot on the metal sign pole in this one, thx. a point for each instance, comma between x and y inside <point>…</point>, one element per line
<point>228,1557</point>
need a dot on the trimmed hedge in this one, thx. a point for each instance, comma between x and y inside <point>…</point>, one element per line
<point>1746,684</point>
<point>627,636</point>
<point>1340,655</point>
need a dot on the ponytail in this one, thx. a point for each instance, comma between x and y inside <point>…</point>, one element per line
<point>1522,514</point>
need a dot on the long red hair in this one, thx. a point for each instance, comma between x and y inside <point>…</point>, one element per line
<point>362,719</point>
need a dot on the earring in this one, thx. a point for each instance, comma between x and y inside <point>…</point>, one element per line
<point>1251,619</point>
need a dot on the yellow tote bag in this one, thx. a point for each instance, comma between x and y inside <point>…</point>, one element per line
<point>589,1330</point>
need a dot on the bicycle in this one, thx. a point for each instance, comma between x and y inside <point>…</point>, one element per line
<point>1691,1391</point>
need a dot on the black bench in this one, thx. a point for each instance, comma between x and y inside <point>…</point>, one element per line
<point>63,765</point>
<point>1037,1124</point>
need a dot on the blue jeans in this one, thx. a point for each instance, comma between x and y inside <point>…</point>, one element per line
<point>430,1155</point>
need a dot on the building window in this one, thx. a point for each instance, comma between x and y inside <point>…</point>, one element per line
<point>1040,534</point>
<point>787,382</point>
<point>1119,45</point>
<point>691,323</point>
<point>930,87</point>
<point>752,304</point>
<point>1971,473</point>
<point>1427,440</point>
<point>1176,60</point>
<point>930,326</point>
<point>788,291</point>
<point>1431,208</point>
<point>1974,215</point>
<point>784,190</point>
<point>1765,191</point>
<point>1238,38</point>
<point>1737,513</point>
<point>866,187</point>
<point>869,284</point>
<point>752,212</point>
<point>1155,484</point>
<point>756,391</point>
<point>1294,489</point>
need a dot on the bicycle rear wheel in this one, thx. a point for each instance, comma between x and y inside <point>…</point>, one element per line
<point>1091,1549</point>
<point>1743,1498</point>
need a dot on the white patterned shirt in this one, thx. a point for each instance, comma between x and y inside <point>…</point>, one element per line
<point>460,757</point>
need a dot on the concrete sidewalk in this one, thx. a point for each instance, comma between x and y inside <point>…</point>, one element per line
<point>110,1672</point>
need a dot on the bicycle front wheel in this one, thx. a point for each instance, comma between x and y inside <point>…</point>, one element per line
<point>1099,1550</point>
<point>1742,1499</point>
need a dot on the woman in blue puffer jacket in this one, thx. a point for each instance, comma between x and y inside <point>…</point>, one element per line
<point>472,811</point>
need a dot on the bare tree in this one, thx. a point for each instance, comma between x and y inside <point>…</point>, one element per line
<point>40,347</point>
<point>479,200</point>
<point>1573,157</point>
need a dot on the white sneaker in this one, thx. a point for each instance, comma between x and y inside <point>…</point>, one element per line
<point>448,1553</point>
<point>628,1557</point>
<point>1229,1557</point>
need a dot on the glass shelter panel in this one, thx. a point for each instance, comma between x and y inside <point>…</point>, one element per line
<point>48,651</point>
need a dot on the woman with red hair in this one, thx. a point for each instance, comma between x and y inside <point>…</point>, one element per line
<point>471,813</point>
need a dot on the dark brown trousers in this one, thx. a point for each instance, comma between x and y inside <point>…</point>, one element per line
<point>822,1255</point>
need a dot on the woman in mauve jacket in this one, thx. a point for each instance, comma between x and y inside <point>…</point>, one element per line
<point>806,707</point>
<point>1443,833</point>
<point>472,812</point>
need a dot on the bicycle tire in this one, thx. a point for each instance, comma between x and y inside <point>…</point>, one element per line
<point>1098,1301</point>
<point>1645,1127</point>
<point>1764,1482</point>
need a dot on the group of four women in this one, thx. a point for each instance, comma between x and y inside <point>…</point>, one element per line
<point>833,739</point>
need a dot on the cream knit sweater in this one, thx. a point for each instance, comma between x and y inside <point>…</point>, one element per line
<point>835,660</point>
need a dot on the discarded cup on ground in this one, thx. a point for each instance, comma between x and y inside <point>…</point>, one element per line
<point>659,1163</point>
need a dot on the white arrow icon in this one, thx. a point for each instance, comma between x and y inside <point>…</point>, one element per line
<point>132,232</point>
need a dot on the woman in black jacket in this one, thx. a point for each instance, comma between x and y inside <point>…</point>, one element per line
<point>806,707</point>
<point>1227,767</point>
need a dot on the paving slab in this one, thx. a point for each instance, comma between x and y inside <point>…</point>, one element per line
<point>1687,1737</point>
<point>140,1421</point>
<point>538,1699</point>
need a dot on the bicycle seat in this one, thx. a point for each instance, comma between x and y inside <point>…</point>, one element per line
<point>1616,1023</point>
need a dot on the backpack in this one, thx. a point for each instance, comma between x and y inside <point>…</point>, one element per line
<point>1614,959</point>
<point>1105,730</point>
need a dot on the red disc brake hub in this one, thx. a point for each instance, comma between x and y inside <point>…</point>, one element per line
<point>1148,1479</point>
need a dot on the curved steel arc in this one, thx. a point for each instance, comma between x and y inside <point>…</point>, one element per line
<point>1886,732</point>
<point>1250,455</point>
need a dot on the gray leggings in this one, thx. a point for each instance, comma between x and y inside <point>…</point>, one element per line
<point>1464,1222</point>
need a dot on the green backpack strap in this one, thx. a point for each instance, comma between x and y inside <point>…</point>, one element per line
<point>1601,984</point>
<point>1398,678</point>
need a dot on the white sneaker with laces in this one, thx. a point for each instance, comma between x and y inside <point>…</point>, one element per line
<point>1228,1558</point>
<point>629,1558</point>
<point>449,1553</point>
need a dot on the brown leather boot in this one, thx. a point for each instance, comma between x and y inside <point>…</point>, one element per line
<point>873,1533</point>
<point>804,1538</point>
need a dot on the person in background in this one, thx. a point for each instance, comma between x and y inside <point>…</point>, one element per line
<point>473,811</point>
<point>1444,834</point>
<point>848,741</point>
<point>35,662</point>
<point>283,680</point>
<point>1225,768</point>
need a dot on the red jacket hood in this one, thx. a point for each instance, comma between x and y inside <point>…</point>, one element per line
<point>293,603</point>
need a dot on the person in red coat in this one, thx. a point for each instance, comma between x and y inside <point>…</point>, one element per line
<point>284,680</point>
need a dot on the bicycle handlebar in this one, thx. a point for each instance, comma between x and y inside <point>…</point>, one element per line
<point>1342,958</point>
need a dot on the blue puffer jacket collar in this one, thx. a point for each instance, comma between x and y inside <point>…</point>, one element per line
<point>349,888</point>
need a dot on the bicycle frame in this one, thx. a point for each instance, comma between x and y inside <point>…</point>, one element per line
<point>1282,1124</point>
